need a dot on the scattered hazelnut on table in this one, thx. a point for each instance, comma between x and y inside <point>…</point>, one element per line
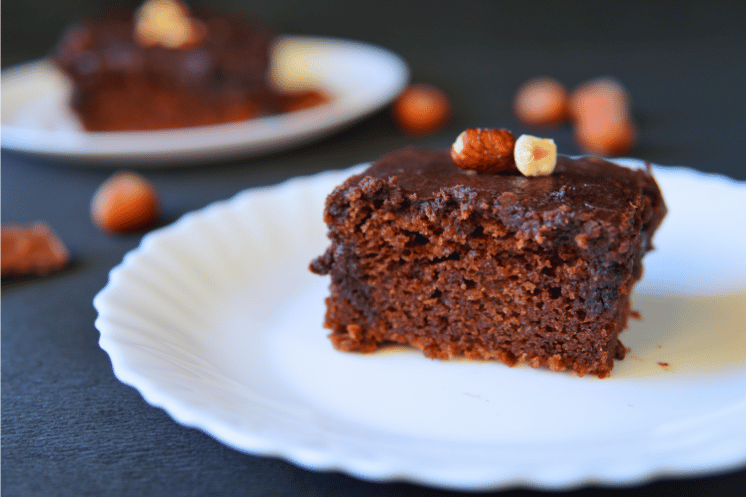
<point>605,134</point>
<point>541,101</point>
<point>535,156</point>
<point>601,109</point>
<point>125,202</point>
<point>31,250</point>
<point>484,150</point>
<point>422,109</point>
<point>605,94</point>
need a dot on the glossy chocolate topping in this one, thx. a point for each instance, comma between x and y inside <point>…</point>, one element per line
<point>234,50</point>
<point>587,182</point>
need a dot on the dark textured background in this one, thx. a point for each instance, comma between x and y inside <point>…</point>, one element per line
<point>70,428</point>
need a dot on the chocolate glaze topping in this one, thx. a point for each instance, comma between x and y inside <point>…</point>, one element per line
<point>587,181</point>
<point>234,50</point>
<point>579,189</point>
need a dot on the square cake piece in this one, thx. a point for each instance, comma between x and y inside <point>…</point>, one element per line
<point>165,66</point>
<point>488,266</point>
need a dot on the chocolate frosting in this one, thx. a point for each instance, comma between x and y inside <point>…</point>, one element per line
<point>235,51</point>
<point>588,182</point>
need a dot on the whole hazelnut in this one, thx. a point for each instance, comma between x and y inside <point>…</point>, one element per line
<point>604,94</point>
<point>484,150</point>
<point>422,109</point>
<point>601,109</point>
<point>541,101</point>
<point>606,134</point>
<point>125,202</point>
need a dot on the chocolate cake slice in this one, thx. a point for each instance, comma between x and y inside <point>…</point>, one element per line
<point>488,266</point>
<point>123,82</point>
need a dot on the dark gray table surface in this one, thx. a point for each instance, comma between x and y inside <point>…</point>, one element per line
<point>70,428</point>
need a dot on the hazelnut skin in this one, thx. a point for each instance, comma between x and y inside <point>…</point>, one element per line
<point>124,203</point>
<point>601,109</point>
<point>541,101</point>
<point>422,109</point>
<point>606,134</point>
<point>604,94</point>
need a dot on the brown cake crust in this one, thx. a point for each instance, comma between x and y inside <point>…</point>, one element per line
<point>120,85</point>
<point>488,266</point>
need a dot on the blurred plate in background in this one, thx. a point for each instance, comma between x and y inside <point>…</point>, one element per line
<point>361,78</point>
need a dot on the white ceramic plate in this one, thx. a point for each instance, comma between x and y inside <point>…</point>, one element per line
<point>361,79</point>
<point>217,320</point>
